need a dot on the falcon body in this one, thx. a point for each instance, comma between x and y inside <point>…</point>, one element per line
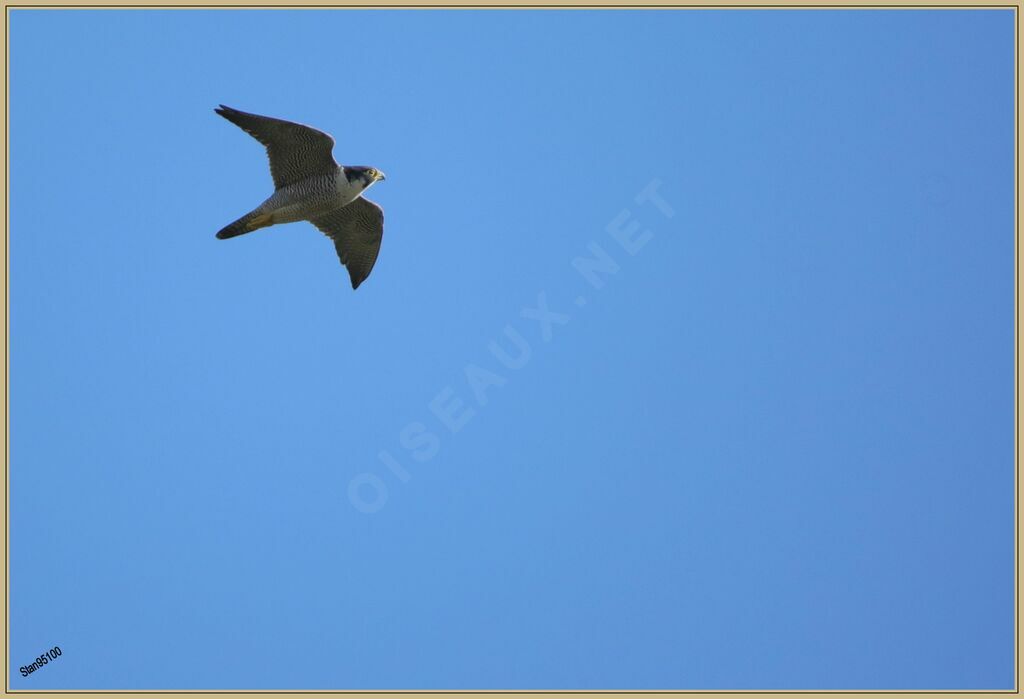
<point>310,197</point>
<point>311,186</point>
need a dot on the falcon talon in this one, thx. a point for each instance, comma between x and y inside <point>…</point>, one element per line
<point>310,186</point>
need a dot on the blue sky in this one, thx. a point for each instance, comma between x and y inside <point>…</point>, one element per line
<point>773,449</point>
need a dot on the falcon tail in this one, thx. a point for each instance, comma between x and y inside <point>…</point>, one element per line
<point>247,224</point>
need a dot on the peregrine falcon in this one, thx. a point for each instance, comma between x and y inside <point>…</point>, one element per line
<point>310,186</point>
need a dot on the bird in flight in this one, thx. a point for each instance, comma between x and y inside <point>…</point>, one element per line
<point>310,186</point>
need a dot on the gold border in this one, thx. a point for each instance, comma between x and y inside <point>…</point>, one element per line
<point>524,4</point>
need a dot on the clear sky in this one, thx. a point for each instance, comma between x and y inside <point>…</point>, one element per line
<point>687,361</point>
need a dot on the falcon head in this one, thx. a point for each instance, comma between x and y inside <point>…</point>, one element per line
<point>365,175</point>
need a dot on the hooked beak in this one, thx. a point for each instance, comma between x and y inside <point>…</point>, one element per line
<point>380,176</point>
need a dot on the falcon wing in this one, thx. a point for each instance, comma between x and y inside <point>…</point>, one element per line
<point>356,230</point>
<point>296,152</point>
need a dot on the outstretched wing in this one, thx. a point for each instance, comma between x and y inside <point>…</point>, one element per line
<point>356,230</point>
<point>296,152</point>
